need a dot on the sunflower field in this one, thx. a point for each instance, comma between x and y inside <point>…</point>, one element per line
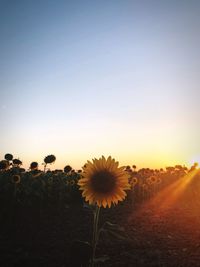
<point>47,216</point>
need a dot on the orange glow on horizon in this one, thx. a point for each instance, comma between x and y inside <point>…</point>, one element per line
<point>167,197</point>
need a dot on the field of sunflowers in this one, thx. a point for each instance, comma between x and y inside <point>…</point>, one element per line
<point>102,215</point>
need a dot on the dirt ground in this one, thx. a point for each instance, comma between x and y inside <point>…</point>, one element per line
<point>156,235</point>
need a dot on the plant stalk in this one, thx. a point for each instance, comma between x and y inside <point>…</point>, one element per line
<point>95,234</point>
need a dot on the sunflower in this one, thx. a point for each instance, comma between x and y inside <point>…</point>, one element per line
<point>8,157</point>
<point>72,182</point>
<point>49,159</point>
<point>103,182</point>
<point>153,179</point>
<point>67,169</point>
<point>4,165</point>
<point>34,165</point>
<point>16,179</point>
<point>134,181</point>
<point>17,162</point>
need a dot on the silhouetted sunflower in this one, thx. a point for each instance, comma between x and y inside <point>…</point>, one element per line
<point>4,165</point>
<point>16,179</point>
<point>8,157</point>
<point>67,169</point>
<point>103,182</point>
<point>49,159</point>
<point>34,165</point>
<point>17,162</point>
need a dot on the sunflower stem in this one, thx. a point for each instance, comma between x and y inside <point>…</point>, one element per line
<point>45,165</point>
<point>95,234</point>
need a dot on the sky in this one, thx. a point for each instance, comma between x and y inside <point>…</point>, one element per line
<point>81,79</point>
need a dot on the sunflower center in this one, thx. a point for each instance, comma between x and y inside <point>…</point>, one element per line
<point>103,181</point>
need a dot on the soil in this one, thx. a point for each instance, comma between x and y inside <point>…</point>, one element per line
<point>155,235</point>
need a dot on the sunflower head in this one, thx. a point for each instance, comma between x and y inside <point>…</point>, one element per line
<point>8,157</point>
<point>17,162</point>
<point>67,169</point>
<point>34,165</point>
<point>4,165</point>
<point>49,159</point>
<point>103,182</point>
<point>134,181</point>
<point>128,168</point>
<point>16,179</point>
<point>153,179</point>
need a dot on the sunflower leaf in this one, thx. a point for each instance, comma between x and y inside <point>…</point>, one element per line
<point>101,259</point>
<point>118,236</point>
<point>114,227</point>
<point>114,231</point>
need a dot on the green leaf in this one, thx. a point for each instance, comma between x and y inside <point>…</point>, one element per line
<point>118,236</point>
<point>114,231</point>
<point>114,227</point>
<point>101,259</point>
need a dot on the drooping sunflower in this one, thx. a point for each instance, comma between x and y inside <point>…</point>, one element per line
<point>103,182</point>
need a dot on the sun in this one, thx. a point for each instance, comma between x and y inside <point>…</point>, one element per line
<point>195,159</point>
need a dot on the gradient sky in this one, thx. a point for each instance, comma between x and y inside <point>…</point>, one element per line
<point>79,79</point>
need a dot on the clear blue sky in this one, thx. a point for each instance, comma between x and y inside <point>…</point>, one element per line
<point>79,79</point>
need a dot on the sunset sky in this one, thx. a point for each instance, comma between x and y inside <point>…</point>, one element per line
<point>81,79</point>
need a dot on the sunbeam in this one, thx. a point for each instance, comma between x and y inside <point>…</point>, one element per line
<point>169,196</point>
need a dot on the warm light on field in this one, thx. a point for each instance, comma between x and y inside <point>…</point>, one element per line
<point>172,193</point>
<point>194,159</point>
<point>168,197</point>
